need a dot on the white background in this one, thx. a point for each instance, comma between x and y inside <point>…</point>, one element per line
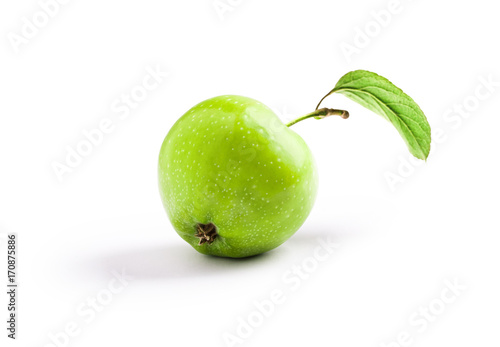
<point>396,246</point>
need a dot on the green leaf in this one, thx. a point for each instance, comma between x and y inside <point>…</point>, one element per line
<point>379,95</point>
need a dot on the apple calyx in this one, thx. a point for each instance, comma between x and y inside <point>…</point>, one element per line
<point>207,233</point>
<point>320,114</point>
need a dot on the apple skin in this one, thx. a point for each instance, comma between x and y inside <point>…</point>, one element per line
<point>230,161</point>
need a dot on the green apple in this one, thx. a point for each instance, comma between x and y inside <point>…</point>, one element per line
<point>235,181</point>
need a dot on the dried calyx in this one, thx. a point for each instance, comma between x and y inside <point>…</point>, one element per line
<point>206,233</point>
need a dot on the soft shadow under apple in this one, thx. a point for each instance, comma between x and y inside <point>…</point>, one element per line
<point>181,261</point>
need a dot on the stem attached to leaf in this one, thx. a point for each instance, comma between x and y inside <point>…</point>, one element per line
<point>320,114</point>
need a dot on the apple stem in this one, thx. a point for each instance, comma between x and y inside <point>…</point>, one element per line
<point>320,114</point>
